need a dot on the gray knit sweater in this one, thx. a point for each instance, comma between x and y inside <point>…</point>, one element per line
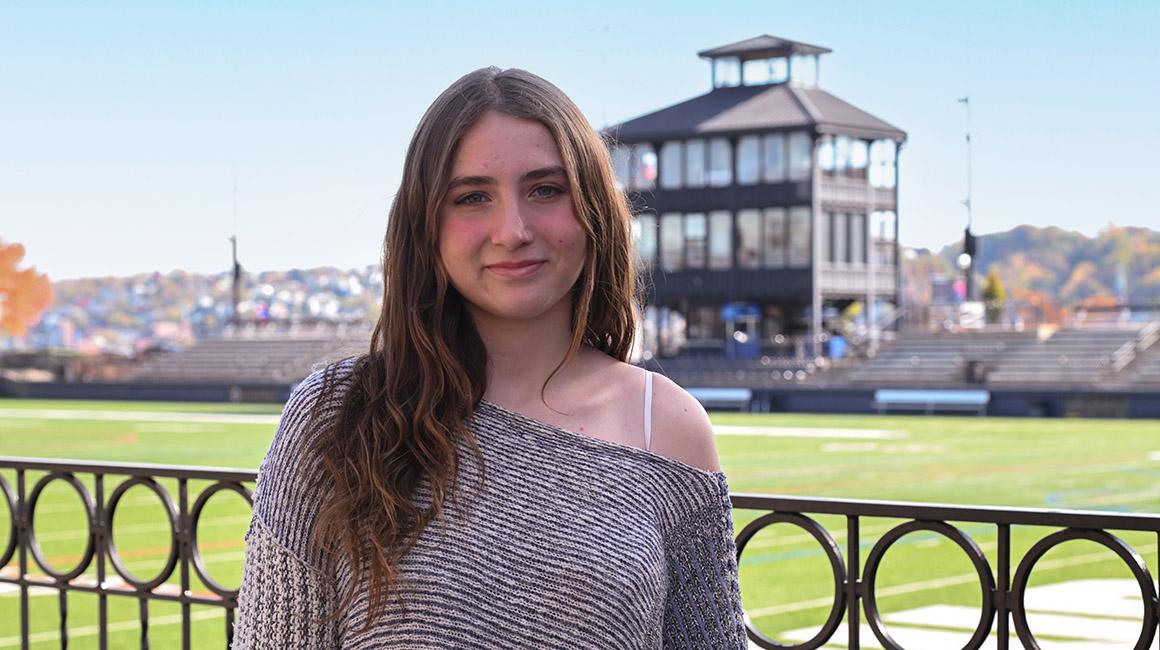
<point>571,542</point>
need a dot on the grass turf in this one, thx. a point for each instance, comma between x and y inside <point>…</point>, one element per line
<point>786,581</point>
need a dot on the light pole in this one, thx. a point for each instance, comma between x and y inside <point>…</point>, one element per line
<point>968,265</point>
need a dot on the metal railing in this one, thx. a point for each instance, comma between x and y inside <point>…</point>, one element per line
<point>1002,591</point>
<point>854,582</point>
<point>100,505</point>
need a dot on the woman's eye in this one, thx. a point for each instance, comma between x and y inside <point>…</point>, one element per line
<point>473,198</point>
<point>546,191</point>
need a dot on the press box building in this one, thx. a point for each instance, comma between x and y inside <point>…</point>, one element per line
<point>762,205</point>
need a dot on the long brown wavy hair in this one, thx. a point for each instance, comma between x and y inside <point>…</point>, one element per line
<point>412,392</point>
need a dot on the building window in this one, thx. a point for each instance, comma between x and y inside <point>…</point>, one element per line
<point>824,238</point>
<point>720,239</point>
<point>644,233</point>
<point>826,158</point>
<point>726,72</point>
<point>882,225</point>
<point>696,235</point>
<point>799,237</point>
<point>841,153</point>
<point>695,163</point>
<point>774,158</point>
<point>800,156</point>
<point>840,234</point>
<point>775,238</point>
<point>749,239</point>
<point>883,229</point>
<point>748,160</point>
<point>620,158</point>
<point>858,239</point>
<point>671,165</point>
<point>672,242</point>
<point>705,323</point>
<point>859,158</point>
<point>772,322</point>
<point>720,162</point>
<point>882,154</point>
<point>643,167</point>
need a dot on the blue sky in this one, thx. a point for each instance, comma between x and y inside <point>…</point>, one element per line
<point>124,127</point>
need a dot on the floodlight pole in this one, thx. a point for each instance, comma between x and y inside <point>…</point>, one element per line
<point>968,244</point>
<point>237,281</point>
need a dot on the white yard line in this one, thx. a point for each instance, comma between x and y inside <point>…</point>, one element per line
<point>112,627</point>
<point>138,416</point>
<point>805,432</point>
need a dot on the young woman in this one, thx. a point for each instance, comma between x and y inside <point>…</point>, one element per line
<point>492,473</point>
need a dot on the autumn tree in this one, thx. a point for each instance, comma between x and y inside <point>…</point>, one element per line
<point>24,293</point>
<point>994,295</point>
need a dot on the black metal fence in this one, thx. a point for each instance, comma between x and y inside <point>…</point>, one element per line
<point>1002,588</point>
<point>110,481</point>
<point>1002,591</point>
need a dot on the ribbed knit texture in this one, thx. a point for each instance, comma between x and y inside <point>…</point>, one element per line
<point>572,542</point>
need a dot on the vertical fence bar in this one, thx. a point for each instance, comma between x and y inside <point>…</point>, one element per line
<point>103,528</point>
<point>853,582</point>
<point>143,612</point>
<point>1003,586</point>
<point>184,553</point>
<point>22,536</point>
<point>62,603</point>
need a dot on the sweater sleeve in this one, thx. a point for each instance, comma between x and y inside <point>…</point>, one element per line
<point>282,601</point>
<point>284,596</point>
<point>703,605</point>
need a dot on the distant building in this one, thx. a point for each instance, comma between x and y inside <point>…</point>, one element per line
<point>765,204</point>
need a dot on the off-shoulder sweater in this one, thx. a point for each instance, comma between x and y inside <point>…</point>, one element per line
<point>570,542</point>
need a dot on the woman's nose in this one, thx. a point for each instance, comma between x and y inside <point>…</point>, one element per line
<point>510,228</point>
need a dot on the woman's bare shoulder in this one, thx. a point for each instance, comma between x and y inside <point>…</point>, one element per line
<point>680,426</point>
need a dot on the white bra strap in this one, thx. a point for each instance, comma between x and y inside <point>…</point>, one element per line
<point>647,409</point>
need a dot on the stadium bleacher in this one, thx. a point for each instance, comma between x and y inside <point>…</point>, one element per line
<point>248,360</point>
<point>1087,356</point>
<point>1078,356</point>
<point>938,359</point>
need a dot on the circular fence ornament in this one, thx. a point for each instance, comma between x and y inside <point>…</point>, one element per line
<point>195,517</point>
<point>90,517</point>
<point>171,514</point>
<point>974,553</point>
<point>833,554</point>
<point>1116,545</point>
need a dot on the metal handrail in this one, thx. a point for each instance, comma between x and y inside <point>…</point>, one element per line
<point>1002,589</point>
<point>854,581</point>
<point>183,515</point>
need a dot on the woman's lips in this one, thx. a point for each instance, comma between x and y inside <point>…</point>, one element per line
<point>515,269</point>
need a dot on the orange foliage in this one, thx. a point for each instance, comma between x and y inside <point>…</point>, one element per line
<point>24,294</point>
<point>1036,307</point>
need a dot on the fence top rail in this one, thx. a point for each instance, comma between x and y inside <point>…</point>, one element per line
<point>231,474</point>
<point>949,512</point>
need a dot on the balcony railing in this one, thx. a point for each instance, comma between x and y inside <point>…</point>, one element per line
<point>109,482</point>
<point>1003,587</point>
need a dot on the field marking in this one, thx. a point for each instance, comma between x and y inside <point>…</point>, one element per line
<point>879,448</point>
<point>937,583</point>
<point>807,432</point>
<point>120,626</point>
<point>140,416</point>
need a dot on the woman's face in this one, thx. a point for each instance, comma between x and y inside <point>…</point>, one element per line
<point>508,235</point>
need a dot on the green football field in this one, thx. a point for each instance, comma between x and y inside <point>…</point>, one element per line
<point>786,580</point>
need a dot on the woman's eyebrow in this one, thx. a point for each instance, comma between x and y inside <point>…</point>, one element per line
<point>470,180</point>
<point>542,172</point>
<point>555,170</point>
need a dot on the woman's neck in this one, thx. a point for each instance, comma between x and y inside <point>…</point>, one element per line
<point>522,355</point>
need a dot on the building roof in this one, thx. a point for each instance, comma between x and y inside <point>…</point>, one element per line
<point>763,47</point>
<point>756,108</point>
